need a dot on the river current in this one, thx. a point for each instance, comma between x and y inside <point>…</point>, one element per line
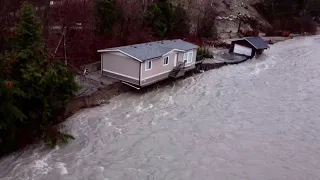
<point>259,120</point>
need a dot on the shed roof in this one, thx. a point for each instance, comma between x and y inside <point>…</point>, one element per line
<point>151,50</point>
<point>257,42</point>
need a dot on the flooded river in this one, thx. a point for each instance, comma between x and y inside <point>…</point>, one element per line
<point>259,120</point>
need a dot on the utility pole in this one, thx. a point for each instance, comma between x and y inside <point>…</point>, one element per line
<point>239,26</point>
<point>65,49</point>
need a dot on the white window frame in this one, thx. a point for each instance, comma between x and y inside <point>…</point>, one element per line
<point>164,61</point>
<point>146,66</point>
<point>185,57</point>
<point>190,57</point>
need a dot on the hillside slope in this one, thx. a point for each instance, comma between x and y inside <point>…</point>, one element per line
<point>228,11</point>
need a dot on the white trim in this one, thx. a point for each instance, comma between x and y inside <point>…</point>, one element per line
<point>251,44</point>
<point>145,66</point>
<point>128,84</point>
<point>256,46</point>
<point>186,53</point>
<point>141,69</point>
<point>191,58</point>
<point>164,61</point>
<point>156,80</point>
<point>172,51</point>
<point>121,74</point>
<point>155,75</point>
<point>175,61</point>
<point>118,50</point>
<point>101,63</point>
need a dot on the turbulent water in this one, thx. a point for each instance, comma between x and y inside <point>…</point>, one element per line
<point>258,120</point>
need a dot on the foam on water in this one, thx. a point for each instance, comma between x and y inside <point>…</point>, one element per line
<point>255,120</point>
<point>62,167</point>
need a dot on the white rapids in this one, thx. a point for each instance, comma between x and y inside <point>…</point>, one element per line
<point>259,120</point>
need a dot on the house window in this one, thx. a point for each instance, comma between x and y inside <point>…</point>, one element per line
<point>185,57</point>
<point>166,60</point>
<point>148,65</point>
<point>190,57</point>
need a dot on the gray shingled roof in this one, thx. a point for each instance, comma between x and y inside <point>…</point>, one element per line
<point>257,42</point>
<point>155,49</point>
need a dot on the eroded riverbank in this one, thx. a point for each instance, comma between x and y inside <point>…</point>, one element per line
<point>255,120</point>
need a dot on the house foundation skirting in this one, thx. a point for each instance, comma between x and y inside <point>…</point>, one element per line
<point>154,79</point>
<point>119,77</point>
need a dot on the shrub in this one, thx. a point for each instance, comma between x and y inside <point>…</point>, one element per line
<point>203,53</point>
<point>105,15</point>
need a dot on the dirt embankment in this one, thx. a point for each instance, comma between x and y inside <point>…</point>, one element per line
<point>100,96</point>
<point>227,24</point>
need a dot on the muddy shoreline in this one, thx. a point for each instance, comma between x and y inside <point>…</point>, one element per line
<point>105,94</point>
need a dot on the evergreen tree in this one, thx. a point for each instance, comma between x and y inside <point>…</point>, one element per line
<point>106,15</point>
<point>161,18</point>
<point>181,24</point>
<point>35,86</point>
<point>206,25</point>
<point>10,114</point>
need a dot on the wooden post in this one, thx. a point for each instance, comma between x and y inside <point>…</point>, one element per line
<point>239,27</point>
<point>65,48</point>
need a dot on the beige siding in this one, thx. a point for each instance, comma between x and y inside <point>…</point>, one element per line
<point>194,57</point>
<point>120,64</point>
<point>157,67</point>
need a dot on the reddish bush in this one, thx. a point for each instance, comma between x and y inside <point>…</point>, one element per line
<point>9,84</point>
<point>285,34</point>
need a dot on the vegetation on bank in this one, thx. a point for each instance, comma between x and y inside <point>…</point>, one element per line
<point>88,25</point>
<point>34,87</point>
<point>204,53</point>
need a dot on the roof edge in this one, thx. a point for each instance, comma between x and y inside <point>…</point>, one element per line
<point>179,50</point>
<point>254,45</point>
<point>154,58</point>
<point>118,50</point>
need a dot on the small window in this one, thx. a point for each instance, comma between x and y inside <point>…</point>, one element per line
<point>185,57</point>
<point>166,60</point>
<point>190,57</point>
<point>148,65</point>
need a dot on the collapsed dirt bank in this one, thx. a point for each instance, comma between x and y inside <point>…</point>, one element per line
<point>100,96</point>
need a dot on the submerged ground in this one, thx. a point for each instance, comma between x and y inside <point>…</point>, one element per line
<point>255,120</point>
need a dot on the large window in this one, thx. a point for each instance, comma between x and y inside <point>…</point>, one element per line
<point>187,57</point>
<point>190,56</point>
<point>166,60</point>
<point>148,65</point>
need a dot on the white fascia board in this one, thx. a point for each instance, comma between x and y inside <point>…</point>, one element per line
<point>179,50</point>
<point>118,50</point>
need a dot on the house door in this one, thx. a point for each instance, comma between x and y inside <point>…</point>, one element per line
<point>175,60</point>
<point>242,50</point>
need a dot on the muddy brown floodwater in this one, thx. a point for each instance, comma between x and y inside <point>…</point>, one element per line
<point>259,120</point>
